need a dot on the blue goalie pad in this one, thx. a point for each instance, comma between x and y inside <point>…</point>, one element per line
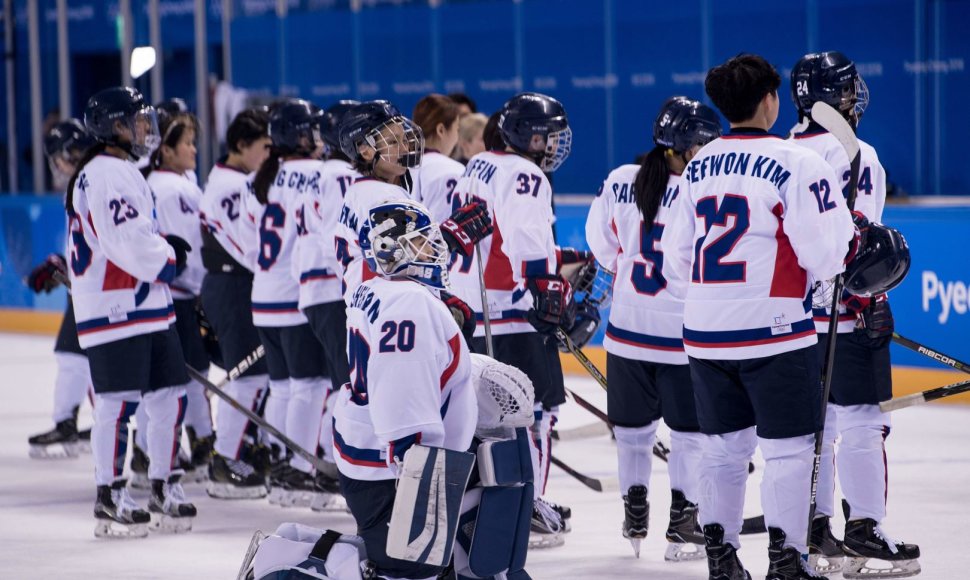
<point>427,505</point>
<point>505,462</point>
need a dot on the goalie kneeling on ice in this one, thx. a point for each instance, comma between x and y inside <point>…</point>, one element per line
<point>299,551</point>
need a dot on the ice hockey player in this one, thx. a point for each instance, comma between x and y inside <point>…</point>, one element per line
<point>862,373</point>
<point>435,178</point>
<point>64,146</point>
<point>646,363</point>
<point>290,174</point>
<point>528,298</point>
<point>229,253</point>
<point>383,425</point>
<point>744,241</point>
<point>120,270</point>
<point>177,198</point>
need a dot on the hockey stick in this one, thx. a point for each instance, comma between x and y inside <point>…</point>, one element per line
<point>489,349</point>
<point>581,357</point>
<point>833,122</point>
<point>930,394</point>
<point>590,482</point>
<point>935,355</point>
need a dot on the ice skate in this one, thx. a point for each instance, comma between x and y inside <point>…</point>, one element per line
<point>722,558</point>
<point>329,499</point>
<point>870,553</point>
<point>824,550</point>
<point>170,512</point>
<point>565,514</point>
<point>234,479</point>
<point>200,453</point>
<point>786,563</point>
<point>61,442</point>
<point>684,536</point>
<point>547,526</point>
<point>636,519</point>
<point>117,514</point>
<point>278,472</point>
<point>299,489</point>
<point>139,468</point>
<point>193,473</point>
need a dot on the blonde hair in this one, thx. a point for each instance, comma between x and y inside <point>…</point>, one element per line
<point>471,125</point>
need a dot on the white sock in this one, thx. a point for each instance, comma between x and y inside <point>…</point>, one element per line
<point>724,473</point>
<point>109,434</point>
<point>166,412</point>
<point>634,452</point>
<point>684,462</point>
<point>861,460</point>
<point>825,495</point>
<point>276,406</point>
<point>198,413</point>
<point>71,385</point>
<point>786,486</point>
<point>230,423</point>
<point>303,416</point>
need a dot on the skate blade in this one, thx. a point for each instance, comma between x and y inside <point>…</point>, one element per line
<point>139,481</point>
<point>229,491</point>
<point>163,524</point>
<point>860,568</point>
<point>299,499</point>
<point>275,493</point>
<point>199,475</point>
<point>635,542</point>
<point>544,541</point>
<point>328,502</point>
<point>54,451</point>
<point>825,564</point>
<point>678,552</point>
<point>113,530</point>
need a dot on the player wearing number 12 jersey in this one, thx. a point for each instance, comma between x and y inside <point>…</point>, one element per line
<point>758,220</point>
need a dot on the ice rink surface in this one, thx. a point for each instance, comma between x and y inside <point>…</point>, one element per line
<point>46,522</point>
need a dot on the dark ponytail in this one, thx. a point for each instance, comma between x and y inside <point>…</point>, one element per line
<point>267,174</point>
<point>650,184</point>
<point>90,154</point>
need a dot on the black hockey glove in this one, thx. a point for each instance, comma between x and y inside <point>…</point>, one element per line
<point>877,319</point>
<point>182,249</point>
<point>552,304</point>
<point>41,278</point>
<point>584,326</point>
<point>466,227</point>
<point>462,313</point>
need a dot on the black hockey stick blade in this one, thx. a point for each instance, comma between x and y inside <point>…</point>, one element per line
<point>924,397</point>
<point>590,482</point>
<point>933,354</point>
<point>263,424</point>
<point>753,525</point>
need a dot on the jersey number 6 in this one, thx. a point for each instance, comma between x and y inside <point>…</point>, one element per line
<point>270,242</point>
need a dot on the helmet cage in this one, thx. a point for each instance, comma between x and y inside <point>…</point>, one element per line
<point>558,146</point>
<point>142,126</point>
<point>399,239</point>
<point>398,140</point>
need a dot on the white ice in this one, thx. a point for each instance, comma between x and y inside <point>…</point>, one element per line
<point>46,524</point>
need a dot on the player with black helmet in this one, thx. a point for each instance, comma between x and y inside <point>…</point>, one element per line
<point>862,375</point>
<point>646,362</point>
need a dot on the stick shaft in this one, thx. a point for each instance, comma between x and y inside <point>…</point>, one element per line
<point>489,348</point>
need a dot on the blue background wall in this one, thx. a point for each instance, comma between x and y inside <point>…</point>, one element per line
<point>611,62</point>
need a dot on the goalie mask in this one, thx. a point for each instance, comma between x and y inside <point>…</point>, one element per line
<point>120,117</point>
<point>831,78</point>
<point>536,126</point>
<point>399,239</point>
<point>505,397</point>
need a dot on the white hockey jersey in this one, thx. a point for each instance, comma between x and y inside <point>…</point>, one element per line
<point>410,379</point>
<point>177,200</point>
<point>519,199</point>
<point>434,184</point>
<point>223,212</point>
<point>120,265</point>
<point>317,267</point>
<point>758,219</point>
<point>871,200</point>
<point>276,292</point>
<point>646,317</point>
<point>364,194</point>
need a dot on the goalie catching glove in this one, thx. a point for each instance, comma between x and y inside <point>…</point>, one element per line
<point>466,227</point>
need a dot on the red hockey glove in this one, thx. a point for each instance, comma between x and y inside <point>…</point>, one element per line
<point>462,313</point>
<point>858,240</point>
<point>853,303</point>
<point>553,304</point>
<point>466,227</point>
<point>41,278</point>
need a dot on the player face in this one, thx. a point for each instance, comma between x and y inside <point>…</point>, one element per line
<point>392,145</point>
<point>255,153</point>
<point>181,158</point>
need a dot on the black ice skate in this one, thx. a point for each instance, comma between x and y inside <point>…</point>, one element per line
<point>61,442</point>
<point>169,510</point>
<point>865,542</point>
<point>300,489</point>
<point>117,514</point>
<point>565,514</point>
<point>722,558</point>
<point>139,467</point>
<point>234,479</point>
<point>824,550</point>
<point>278,472</point>
<point>786,563</point>
<point>548,530</point>
<point>636,510</point>
<point>200,453</point>
<point>329,499</point>
<point>684,536</point>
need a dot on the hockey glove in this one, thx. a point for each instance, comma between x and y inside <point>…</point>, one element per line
<point>553,305</point>
<point>578,267</point>
<point>584,326</point>
<point>853,303</point>
<point>466,227</point>
<point>41,278</point>
<point>877,319</point>
<point>858,240</point>
<point>462,313</point>
<point>182,249</point>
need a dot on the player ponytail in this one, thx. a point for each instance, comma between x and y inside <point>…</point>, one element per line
<point>267,174</point>
<point>91,153</point>
<point>651,183</point>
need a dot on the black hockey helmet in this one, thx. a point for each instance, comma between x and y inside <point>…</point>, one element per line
<point>330,121</point>
<point>120,116</point>
<point>171,107</point>
<point>683,123</point>
<point>293,126</point>
<point>68,140</point>
<point>880,265</point>
<point>829,77</point>
<point>529,114</point>
<point>364,124</point>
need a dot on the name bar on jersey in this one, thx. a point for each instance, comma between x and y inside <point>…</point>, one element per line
<point>737,164</point>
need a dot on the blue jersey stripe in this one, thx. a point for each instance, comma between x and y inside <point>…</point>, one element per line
<point>133,317</point>
<point>274,306</point>
<point>748,337</point>
<point>646,340</point>
<point>357,456</point>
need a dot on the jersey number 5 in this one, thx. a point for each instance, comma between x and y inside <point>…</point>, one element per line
<point>648,278</point>
<point>708,267</point>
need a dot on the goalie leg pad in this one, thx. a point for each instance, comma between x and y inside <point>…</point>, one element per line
<point>505,462</point>
<point>427,505</point>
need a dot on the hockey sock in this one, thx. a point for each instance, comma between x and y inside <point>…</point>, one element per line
<point>303,416</point>
<point>634,453</point>
<point>276,404</point>
<point>71,384</point>
<point>230,423</point>
<point>141,422</point>
<point>198,413</point>
<point>166,412</point>
<point>724,473</point>
<point>109,434</point>
<point>861,460</point>
<point>541,435</point>
<point>784,497</point>
<point>825,496</point>
<point>326,423</point>
<point>684,462</point>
